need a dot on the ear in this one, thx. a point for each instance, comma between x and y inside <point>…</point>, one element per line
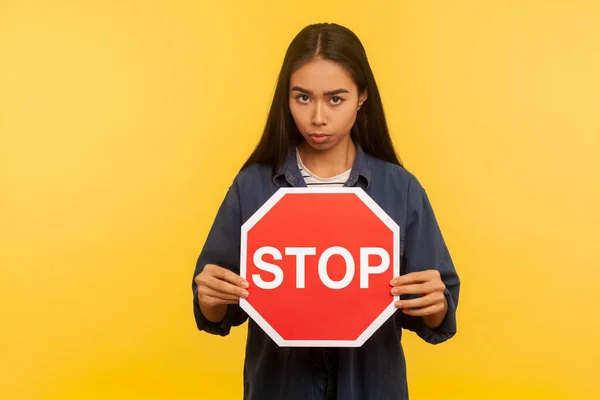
<point>362,98</point>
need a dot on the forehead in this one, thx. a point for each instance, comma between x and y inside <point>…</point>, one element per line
<point>322,75</point>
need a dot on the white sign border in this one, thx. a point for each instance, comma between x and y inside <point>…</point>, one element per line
<point>387,312</point>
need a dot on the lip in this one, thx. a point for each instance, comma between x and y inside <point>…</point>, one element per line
<point>319,138</point>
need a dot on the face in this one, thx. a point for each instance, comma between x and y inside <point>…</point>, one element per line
<point>324,101</point>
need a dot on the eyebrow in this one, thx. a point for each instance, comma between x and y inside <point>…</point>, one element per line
<point>329,93</point>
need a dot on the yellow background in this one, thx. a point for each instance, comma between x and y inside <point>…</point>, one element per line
<point>122,123</point>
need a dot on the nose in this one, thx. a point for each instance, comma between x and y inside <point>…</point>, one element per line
<point>318,117</point>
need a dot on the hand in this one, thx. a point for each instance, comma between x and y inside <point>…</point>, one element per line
<point>429,285</point>
<point>219,286</point>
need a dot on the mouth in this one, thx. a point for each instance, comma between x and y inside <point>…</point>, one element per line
<point>319,137</point>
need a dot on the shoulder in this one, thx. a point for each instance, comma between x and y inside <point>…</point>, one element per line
<point>252,175</point>
<point>252,187</point>
<point>253,184</point>
<point>390,174</point>
<point>397,183</point>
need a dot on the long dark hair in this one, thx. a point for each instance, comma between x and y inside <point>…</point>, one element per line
<point>339,44</point>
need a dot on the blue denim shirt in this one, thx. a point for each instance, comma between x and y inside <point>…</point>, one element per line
<point>377,369</point>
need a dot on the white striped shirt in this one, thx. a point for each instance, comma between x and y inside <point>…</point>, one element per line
<point>314,181</point>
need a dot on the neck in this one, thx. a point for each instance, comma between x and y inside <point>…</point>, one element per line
<point>330,162</point>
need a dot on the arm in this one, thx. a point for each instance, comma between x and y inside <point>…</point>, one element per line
<point>222,248</point>
<point>214,314</point>
<point>427,267</point>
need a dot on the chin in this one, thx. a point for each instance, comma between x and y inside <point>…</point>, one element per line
<point>321,146</point>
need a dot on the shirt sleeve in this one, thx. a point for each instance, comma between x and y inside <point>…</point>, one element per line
<point>222,248</point>
<point>424,248</point>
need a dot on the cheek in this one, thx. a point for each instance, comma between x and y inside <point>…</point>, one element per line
<point>347,118</point>
<point>298,115</point>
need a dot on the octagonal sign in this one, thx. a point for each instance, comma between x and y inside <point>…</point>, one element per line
<point>319,262</point>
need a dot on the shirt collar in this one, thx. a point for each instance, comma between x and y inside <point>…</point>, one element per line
<point>289,171</point>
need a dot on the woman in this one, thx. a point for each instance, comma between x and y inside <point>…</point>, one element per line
<point>326,127</point>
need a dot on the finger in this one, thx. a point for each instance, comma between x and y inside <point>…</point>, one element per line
<point>215,301</point>
<point>225,287</point>
<point>231,277</point>
<point>410,289</point>
<point>415,277</point>
<point>419,312</point>
<point>420,302</point>
<point>225,298</point>
<point>419,288</point>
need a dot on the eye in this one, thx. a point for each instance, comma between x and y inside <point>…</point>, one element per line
<point>302,98</point>
<point>335,100</point>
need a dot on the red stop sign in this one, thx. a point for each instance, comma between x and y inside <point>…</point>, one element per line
<point>319,263</point>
